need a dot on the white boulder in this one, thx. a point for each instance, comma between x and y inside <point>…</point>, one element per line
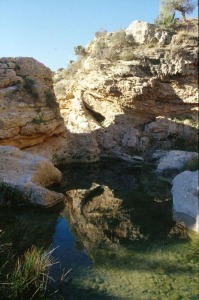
<point>143,32</point>
<point>173,160</point>
<point>185,199</point>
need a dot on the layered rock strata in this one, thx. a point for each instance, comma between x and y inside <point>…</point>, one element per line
<point>130,93</point>
<point>29,113</point>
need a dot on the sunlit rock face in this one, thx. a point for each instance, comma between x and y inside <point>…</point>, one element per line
<point>129,97</point>
<point>132,91</point>
<point>24,178</point>
<point>143,33</point>
<point>29,112</point>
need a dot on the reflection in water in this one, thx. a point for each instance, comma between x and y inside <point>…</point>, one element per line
<point>124,243</point>
<point>66,246</point>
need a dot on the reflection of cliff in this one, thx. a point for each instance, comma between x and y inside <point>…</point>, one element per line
<point>105,215</point>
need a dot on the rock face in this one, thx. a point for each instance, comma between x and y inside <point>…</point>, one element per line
<point>24,176</point>
<point>143,32</point>
<point>131,91</point>
<point>123,97</point>
<point>29,113</point>
<point>185,199</point>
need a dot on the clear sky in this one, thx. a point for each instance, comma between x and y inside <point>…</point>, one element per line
<point>48,30</point>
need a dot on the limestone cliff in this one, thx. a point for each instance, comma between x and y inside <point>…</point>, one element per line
<point>129,92</point>
<point>29,112</point>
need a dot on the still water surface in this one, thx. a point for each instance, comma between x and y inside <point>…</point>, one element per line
<point>115,236</point>
<point>117,239</point>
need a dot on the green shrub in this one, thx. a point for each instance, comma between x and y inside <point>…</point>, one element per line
<point>118,39</point>
<point>79,51</point>
<point>166,22</point>
<point>60,69</point>
<point>114,46</point>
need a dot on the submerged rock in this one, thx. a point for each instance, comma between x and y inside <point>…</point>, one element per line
<point>23,177</point>
<point>185,199</point>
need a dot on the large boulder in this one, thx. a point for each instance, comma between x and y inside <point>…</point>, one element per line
<point>143,32</point>
<point>29,112</point>
<point>23,177</point>
<point>185,199</point>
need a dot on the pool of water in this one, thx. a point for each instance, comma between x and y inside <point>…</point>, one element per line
<point>117,238</point>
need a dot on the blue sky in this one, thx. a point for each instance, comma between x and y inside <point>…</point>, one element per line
<point>48,30</point>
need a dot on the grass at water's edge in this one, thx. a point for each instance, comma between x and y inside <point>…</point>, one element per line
<point>25,258</point>
<point>24,277</point>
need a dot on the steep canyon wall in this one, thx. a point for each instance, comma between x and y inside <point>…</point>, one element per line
<point>130,92</point>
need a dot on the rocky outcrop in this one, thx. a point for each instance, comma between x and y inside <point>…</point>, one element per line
<point>123,97</point>
<point>29,111</point>
<point>23,178</point>
<point>185,199</point>
<point>143,33</point>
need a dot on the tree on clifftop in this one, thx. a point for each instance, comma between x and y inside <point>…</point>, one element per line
<point>183,6</point>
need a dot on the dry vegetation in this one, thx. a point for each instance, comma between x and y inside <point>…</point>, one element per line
<point>118,46</point>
